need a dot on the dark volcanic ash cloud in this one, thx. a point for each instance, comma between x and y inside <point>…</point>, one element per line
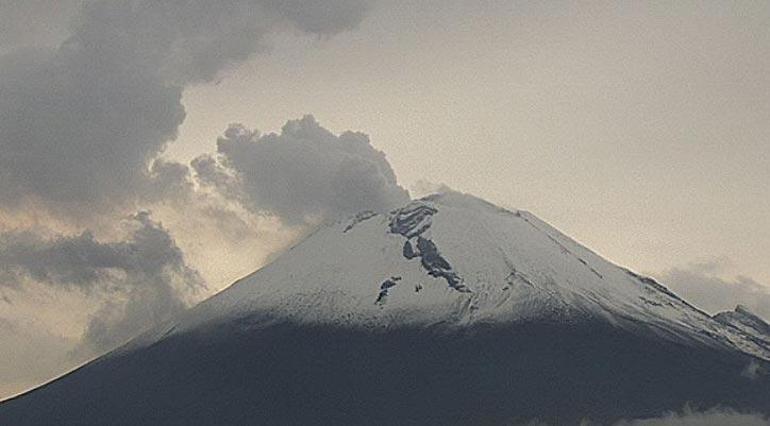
<point>80,124</point>
<point>304,173</point>
<point>85,110</point>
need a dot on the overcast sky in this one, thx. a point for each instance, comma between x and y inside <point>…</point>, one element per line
<point>641,129</point>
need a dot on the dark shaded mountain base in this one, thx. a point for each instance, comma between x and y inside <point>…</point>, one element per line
<point>291,375</point>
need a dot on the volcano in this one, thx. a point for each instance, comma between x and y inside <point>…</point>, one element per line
<point>449,310</point>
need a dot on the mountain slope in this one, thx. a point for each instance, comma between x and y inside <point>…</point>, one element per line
<point>457,260</point>
<point>747,323</point>
<point>447,311</point>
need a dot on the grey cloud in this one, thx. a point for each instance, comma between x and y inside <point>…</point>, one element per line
<point>34,22</point>
<point>322,17</point>
<point>211,173</point>
<point>701,284</point>
<point>423,188</point>
<point>192,40</point>
<point>144,278</point>
<point>85,112</point>
<point>80,124</point>
<point>168,180</point>
<point>77,129</point>
<point>119,320</point>
<point>305,172</point>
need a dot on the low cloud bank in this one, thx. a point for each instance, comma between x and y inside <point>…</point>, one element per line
<point>704,285</point>
<point>142,279</point>
<point>715,417</point>
<point>687,417</point>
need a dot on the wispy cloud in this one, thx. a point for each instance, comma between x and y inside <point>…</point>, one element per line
<point>143,278</point>
<point>688,417</point>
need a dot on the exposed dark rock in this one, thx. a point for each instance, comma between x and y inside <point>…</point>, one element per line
<point>650,302</point>
<point>387,284</point>
<point>413,221</point>
<point>516,276</point>
<point>409,252</point>
<point>437,266</point>
<point>360,217</point>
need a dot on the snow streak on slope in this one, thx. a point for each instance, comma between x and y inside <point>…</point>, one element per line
<point>751,327</point>
<point>456,260</point>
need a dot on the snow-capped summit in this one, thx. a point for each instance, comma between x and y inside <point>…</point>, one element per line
<point>448,310</point>
<point>456,260</point>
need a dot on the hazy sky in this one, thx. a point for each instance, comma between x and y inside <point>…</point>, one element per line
<point>642,129</point>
